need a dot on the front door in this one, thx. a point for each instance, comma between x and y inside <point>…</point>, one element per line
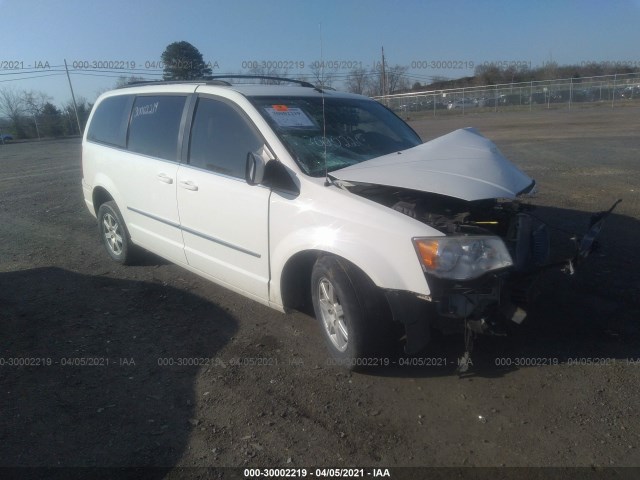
<point>224,220</point>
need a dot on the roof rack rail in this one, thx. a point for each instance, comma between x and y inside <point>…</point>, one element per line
<point>217,80</point>
<point>263,77</point>
<point>142,83</point>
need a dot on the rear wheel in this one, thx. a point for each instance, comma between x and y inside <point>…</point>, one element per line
<point>352,312</point>
<point>114,234</point>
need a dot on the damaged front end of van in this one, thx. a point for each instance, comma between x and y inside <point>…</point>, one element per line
<point>482,268</point>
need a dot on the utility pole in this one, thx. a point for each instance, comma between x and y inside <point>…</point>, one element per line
<point>73,97</point>
<point>383,79</point>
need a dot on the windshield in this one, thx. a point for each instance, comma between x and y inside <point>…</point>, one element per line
<point>356,130</point>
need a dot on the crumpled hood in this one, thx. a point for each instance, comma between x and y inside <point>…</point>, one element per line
<point>462,164</point>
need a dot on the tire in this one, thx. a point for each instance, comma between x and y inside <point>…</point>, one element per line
<point>114,234</point>
<point>353,315</point>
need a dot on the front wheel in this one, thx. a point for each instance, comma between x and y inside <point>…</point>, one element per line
<point>352,312</point>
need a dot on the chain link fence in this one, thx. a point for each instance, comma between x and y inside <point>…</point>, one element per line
<point>613,90</point>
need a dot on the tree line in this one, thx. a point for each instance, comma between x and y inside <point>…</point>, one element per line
<point>30,114</point>
<point>492,74</point>
<point>183,61</point>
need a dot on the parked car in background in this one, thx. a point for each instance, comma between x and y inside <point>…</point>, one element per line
<point>487,102</point>
<point>429,105</point>
<point>462,103</point>
<point>5,137</point>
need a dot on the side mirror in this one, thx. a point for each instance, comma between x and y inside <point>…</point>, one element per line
<point>254,171</point>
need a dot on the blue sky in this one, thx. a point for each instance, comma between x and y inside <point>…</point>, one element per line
<point>233,32</point>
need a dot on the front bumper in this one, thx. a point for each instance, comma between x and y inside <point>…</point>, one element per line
<point>483,305</point>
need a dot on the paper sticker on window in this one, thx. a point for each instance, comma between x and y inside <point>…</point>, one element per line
<point>289,116</point>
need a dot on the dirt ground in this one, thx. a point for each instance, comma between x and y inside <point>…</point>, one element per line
<point>99,389</point>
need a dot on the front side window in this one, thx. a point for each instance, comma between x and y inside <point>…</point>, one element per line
<point>342,132</point>
<point>155,125</point>
<point>221,138</point>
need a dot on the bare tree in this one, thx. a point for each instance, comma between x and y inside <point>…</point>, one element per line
<point>397,80</point>
<point>549,71</point>
<point>322,77</point>
<point>358,81</point>
<point>122,81</point>
<point>35,101</point>
<point>34,104</point>
<point>12,105</point>
<point>487,75</point>
<point>269,72</point>
<point>373,87</point>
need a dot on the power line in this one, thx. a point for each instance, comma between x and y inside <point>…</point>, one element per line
<point>27,78</point>
<point>26,71</point>
<point>107,75</point>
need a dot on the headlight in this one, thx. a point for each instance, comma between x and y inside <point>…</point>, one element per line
<point>462,258</point>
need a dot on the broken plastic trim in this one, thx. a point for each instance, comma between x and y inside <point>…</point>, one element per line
<point>587,243</point>
<point>529,190</point>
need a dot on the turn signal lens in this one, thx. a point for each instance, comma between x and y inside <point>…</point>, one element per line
<point>429,253</point>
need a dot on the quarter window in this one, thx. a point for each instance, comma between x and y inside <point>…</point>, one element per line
<point>221,138</point>
<point>109,122</point>
<point>155,125</point>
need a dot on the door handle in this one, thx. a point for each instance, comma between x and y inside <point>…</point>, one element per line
<point>189,185</point>
<point>163,177</point>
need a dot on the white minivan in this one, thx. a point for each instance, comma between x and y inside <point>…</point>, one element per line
<point>293,195</point>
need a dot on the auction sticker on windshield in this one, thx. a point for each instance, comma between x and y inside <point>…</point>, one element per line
<point>289,117</point>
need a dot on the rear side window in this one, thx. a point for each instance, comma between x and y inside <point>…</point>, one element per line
<point>109,122</point>
<point>221,138</point>
<point>155,125</point>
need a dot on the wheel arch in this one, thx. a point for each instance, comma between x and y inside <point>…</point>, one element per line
<point>295,279</point>
<point>99,196</point>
